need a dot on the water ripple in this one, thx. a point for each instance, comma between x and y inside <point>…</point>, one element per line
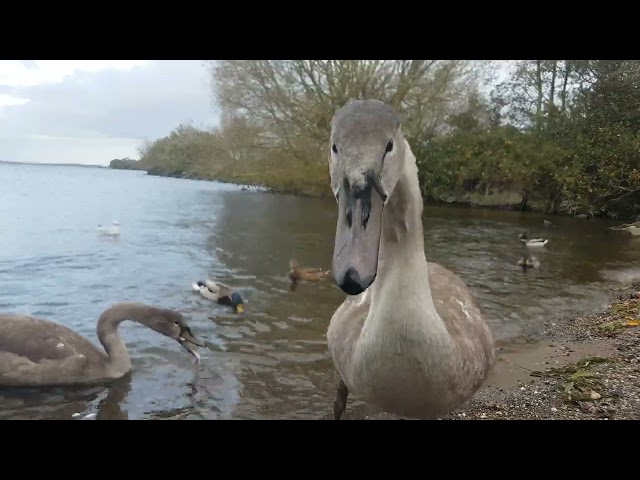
<point>271,361</point>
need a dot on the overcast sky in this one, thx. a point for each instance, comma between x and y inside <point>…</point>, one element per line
<point>92,111</point>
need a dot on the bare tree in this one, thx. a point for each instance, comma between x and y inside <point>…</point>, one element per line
<point>291,102</point>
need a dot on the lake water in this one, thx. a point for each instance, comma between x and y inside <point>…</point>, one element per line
<point>272,362</point>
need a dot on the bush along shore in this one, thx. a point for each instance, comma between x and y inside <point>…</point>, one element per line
<point>556,136</point>
<point>508,200</point>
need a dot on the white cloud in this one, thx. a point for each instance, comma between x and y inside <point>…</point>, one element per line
<point>10,100</point>
<point>92,111</point>
<point>16,73</point>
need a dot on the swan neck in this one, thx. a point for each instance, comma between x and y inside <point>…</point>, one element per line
<point>402,230</point>
<point>107,331</point>
<point>402,265</point>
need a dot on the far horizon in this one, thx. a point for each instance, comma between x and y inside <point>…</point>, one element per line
<point>89,112</point>
<point>8,162</point>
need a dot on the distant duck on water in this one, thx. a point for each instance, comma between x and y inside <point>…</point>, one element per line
<point>112,231</point>
<point>527,262</point>
<point>221,293</point>
<point>632,228</point>
<point>533,242</point>
<point>297,273</point>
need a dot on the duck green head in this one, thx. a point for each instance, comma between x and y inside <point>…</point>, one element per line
<point>237,302</point>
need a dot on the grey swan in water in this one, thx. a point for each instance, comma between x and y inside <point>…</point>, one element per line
<point>409,338</point>
<point>37,353</point>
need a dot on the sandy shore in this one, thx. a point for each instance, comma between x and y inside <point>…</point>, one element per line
<point>587,367</point>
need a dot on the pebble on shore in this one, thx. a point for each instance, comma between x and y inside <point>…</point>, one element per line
<point>602,386</point>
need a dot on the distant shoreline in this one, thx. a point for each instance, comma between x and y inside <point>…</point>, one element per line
<point>496,206</point>
<point>84,165</point>
<point>495,202</point>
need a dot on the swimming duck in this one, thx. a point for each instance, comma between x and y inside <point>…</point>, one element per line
<point>534,242</point>
<point>632,228</point>
<point>528,262</point>
<point>221,293</point>
<point>297,273</point>
<point>112,231</point>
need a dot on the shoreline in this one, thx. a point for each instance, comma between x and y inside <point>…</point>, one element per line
<point>463,204</point>
<point>584,367</point>
<point>254,187</point>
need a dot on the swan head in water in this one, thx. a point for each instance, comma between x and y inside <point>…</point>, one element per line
<point>366,160</point>
<point>171,324</point>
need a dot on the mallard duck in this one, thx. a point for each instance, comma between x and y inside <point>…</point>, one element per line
<point>410,337</point>
<point>297,273</point>
<point>221,293</point>
<point>527,262</point>
<point>534,242</point>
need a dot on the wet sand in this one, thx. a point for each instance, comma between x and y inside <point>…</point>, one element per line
<point>587,367</point>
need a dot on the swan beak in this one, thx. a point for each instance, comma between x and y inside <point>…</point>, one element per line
<point>357,242</point>
<point>190,342</point>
